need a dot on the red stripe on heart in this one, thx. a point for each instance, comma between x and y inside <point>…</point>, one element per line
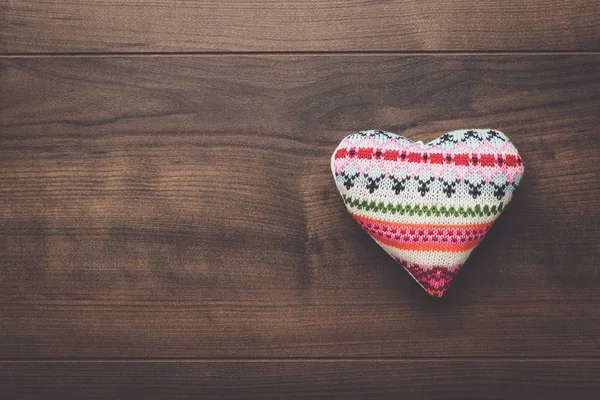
<point>463,159</point>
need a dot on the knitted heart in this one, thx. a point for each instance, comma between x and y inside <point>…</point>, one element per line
<point>427,205</point>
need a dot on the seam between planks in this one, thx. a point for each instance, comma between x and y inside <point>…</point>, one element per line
<point>298,359</point>
<point>299,53</point>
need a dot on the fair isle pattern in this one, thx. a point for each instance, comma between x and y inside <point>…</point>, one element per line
<point>427,205</point>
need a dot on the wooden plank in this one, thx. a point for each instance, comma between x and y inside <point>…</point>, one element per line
<point>183,207</point>
<point>301,25</point>
<point>446,379</point>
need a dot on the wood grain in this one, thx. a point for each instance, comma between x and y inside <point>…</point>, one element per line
<point>466,379</point>
<point>183,207</point>
<point>303,25</point>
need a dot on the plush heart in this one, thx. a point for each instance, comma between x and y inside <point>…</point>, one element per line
<point>427,205</point>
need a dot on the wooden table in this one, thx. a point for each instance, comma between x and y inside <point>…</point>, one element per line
<point>169,227</point>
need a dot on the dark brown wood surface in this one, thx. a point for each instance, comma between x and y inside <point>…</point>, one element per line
<point>299,25</point>
<point>146,197</point>
<point>169,227</point>
<point>302,379</point>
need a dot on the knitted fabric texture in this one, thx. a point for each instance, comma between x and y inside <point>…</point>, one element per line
<point>427,205</point>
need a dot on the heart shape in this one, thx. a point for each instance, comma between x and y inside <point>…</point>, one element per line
<point>427,205</point>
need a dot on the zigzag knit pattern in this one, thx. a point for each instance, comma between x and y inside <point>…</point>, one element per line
<point>427,205</point>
